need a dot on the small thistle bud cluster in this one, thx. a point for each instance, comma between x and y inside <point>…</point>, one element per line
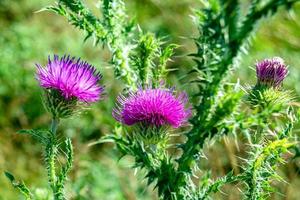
<point>69,84</point>
<point>271,72</point>
<point>153,109</point>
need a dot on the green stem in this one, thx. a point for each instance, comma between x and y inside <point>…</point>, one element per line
<point>54,125</point>
<point>51,155</point>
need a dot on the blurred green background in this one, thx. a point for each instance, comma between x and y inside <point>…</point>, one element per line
<point>28,36</point>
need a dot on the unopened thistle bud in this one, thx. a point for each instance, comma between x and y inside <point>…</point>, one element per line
<point>271,72</point>
<point>153,110</point>
<point>69,84</point>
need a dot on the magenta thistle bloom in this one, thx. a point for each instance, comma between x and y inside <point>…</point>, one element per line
<point>152,107</point>
<point>72,78</point>
<point>271,72</point>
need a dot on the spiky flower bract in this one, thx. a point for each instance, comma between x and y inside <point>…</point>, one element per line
<point>153,108</point>
<point>73,78</point>
<point>68,84</point>
<point>271,72</point>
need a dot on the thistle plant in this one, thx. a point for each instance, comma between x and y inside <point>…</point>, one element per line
<point>148,114</point>
<point>269,101</point>
<point>224,34</point>
<point>69,86</point>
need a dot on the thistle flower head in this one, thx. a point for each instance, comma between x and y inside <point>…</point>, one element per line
<point>266,93</point>
<point>153,108</point>
<point>72,78</point>
<point>68,84</point>
<point>271,72</point>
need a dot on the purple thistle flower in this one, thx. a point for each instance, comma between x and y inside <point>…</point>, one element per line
<point>271,72</point>
<point>72,78</point>
<point>152,107</point>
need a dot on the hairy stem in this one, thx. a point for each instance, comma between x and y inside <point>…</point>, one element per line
<point>51,156</point>
<point>64,171</point>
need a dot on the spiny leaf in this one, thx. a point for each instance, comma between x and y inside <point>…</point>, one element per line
<point>23,189</point>
<point>39,135</point>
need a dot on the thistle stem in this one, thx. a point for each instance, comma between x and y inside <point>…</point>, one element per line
<point>50,156</point>
<point>54,125</point>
